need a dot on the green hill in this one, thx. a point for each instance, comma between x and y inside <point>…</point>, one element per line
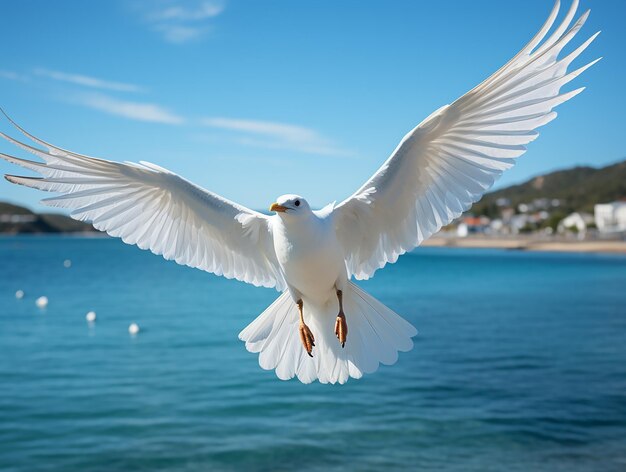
<point>578,189</point>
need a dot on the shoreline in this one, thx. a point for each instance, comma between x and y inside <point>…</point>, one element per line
<point>518,243</point>
<point>527,244</point>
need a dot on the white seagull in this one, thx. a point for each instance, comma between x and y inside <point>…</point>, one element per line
<point>434,175</point>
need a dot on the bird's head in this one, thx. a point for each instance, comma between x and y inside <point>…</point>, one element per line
<point>290,205</point>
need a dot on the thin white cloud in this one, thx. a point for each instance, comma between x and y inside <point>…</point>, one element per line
<point>201,11</point>
<point>87,81</point>
<point>273,135</point>
<point>180,22</point>
<point>133,110</point>
<point>10,75</point>
<point>180,34</point>
<point>271,128</point>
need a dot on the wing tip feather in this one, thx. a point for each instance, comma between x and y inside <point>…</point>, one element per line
<point>23,180</point>
<point>14,179</point>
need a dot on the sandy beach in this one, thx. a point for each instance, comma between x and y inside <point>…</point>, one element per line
<point>527,244</point>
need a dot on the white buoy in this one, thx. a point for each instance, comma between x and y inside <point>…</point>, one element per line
<point>19,294</point>
<point>91,316</point>
<point>42,302</point>
<point>133,328</point>
<point>67,263</point>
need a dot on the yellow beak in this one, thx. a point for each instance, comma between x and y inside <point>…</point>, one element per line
<point>277,207</point>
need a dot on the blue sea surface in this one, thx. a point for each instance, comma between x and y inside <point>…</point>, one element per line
<point>520,365</point>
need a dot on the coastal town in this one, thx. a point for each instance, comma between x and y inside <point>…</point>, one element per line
<point>539,226</point>
<point>576,209</point>
<point>543,217</point>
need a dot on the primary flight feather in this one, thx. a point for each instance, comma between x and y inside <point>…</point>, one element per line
<point>435,174</point>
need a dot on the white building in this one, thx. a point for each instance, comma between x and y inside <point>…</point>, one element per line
<point>580,221</point>
<point>472,225</point>
<point>610,217</point>
<point>518,222</point>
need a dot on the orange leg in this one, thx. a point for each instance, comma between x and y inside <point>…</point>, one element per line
<point>308,341</point>
<point>341,327</point>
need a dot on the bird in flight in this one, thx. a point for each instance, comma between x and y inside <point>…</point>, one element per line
<point>323,326</point>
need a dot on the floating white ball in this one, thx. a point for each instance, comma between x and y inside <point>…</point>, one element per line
<point>19,294</point>
<point>67,263</point>
<point>91,316</point>
<point>42,302</point>
<point>133,328</point>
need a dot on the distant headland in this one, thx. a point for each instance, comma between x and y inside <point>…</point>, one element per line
<point>15,219</point>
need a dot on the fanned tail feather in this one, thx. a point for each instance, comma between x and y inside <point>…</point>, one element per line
<point>375,336</point>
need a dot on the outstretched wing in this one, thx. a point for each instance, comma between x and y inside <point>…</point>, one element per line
<point>454,156</point>
<point>157,210</point>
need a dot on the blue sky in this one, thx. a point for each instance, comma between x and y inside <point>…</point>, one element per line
<point>254,99</point>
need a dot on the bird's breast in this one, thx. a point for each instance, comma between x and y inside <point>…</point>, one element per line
<point>312,260</point>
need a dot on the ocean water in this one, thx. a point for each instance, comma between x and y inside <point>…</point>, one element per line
<point>520,365</point>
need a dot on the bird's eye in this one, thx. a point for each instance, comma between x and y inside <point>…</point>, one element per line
<point>297,203</point>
